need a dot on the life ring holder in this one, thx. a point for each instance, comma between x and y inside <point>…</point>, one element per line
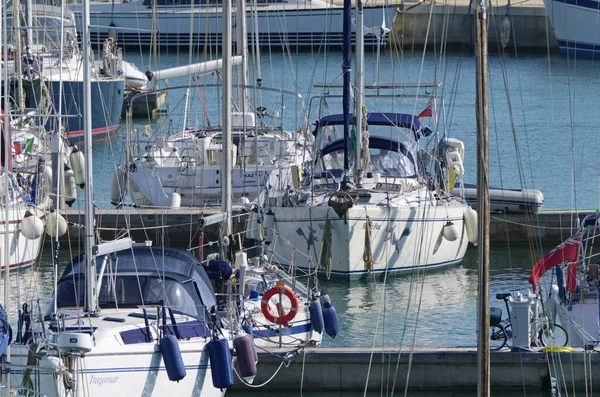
<point>285,318</point>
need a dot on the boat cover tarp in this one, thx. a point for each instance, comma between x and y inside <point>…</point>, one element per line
<point>402,120</point>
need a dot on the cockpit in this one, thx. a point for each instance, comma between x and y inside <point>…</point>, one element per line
<point>393,144</point>
<point>141,277</point>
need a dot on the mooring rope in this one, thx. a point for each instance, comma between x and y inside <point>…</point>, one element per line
<point>325,257</point>
<point>368,253</point>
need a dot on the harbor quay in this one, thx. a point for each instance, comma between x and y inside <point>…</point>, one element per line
<point>453,24</point>
<point>360,369</point>
<point>181,226</point>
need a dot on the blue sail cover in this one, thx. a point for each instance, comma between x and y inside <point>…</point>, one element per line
<point>402,120</point>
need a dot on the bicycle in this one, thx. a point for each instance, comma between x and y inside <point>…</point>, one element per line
<point>545,332</point>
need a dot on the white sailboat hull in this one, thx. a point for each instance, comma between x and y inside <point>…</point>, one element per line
<point>133,371</point>
<point>302,23</point>
<point>150,186</point>
<point>575,25</point>
<point>402,238</point>
<point>580,320</point>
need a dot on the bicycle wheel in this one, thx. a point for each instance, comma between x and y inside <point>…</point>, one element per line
<point>553,334</point>
<point>498,337</point>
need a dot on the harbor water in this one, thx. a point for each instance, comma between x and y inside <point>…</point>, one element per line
<point>552,148</point>
<point>542,135</point>
<point>543,115</point>
<point>435,308</point>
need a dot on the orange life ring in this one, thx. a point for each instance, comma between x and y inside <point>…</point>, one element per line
<point>283,319</point>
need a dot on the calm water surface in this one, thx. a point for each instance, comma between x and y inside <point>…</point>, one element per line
<point>435,308</point>
<point>549,143</point>
<point>542,132</point>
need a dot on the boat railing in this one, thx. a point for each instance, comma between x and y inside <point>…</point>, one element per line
<point>284,94</point>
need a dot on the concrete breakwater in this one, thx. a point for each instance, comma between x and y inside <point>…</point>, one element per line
<point>453,25</point>
<point>181,226</point>
<point>353,369</point>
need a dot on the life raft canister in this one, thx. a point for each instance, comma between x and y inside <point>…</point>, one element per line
<point>283,318</point>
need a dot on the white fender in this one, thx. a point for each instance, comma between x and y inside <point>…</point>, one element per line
<point>32,227</point>
<point>175,200</point>
<point>77,160</point>
<point>48,179</point>
<point>505,31</point>
<point>470,218</point>
<point>70,193</point>
<point>117,187</point>
<point>268,225</point>
<point>450,231</point>
<point>54,218</point>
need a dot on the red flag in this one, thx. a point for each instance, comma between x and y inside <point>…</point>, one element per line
<point>427,112</point>
<point>572,277</point>
<point>17,146</point>
<point>566,251</point>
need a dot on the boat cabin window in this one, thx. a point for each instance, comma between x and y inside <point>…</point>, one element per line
<point>392,149</point>
<point>126,291</point>
<point>391,163</point>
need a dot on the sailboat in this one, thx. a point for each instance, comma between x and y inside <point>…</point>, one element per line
<point>383,214</point>
<point>181,167</point>
<point>293,23</point>
<point>22,212</point>
<point>575,26</point>
<point>573,296</point>
<point>43,70</point>
<point>23,195</point>
<point>129,319</point>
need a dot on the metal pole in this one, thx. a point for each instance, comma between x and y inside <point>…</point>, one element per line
<point>346,68</point>
<point>226,122</point>
<point>16,23</point>
<point>483,201</point>
<point>242,50</point>
<point>360,84</point>
<point>7,161</point>
<point>90,258</point>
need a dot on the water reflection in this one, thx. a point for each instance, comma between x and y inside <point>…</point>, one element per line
<point>32,285</point>
<point>434,308</point>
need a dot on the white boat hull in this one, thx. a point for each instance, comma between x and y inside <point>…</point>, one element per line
<point>132,371</point>
<point>402,238</point>
<point>580,320</point>
<point>575,25</point>
<point>149,186</point>
<point>303,24</point>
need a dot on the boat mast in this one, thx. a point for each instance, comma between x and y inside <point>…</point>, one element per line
<point>359,96</point>
<point>91,304</point>
<point>226,122</point>
<point>7,159</point>
<point>257,72</point>
<point>346,69</point>
<point>483,201</point>
<point>242,50</point>
<point>16,23</point>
